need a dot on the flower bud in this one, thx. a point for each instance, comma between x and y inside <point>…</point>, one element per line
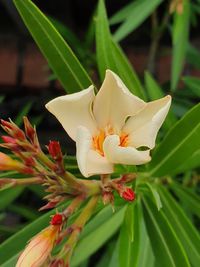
<point>56,219</point>
<point>108,198</point>
<point>29,130</point>
<point>55,150</point>
<point>12,129</point>
<point>128,194</point>
<point>8,139</point>
<point>7,163</point>
<point>39,248</point>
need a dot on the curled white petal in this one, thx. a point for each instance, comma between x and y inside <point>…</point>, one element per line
<point>114,103</point>
<point>74,110</point>
<point>123,155</point>
<point>144,126</point>
<point>89,161</point>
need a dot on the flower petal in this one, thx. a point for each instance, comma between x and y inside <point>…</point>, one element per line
<point>114,103</point>
<point>74,110</point>
<point>143,127</point>
<point>89,161</point>
<point>123,155</point>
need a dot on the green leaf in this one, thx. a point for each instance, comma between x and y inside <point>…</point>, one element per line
<point>146,256</point>
<point>8,196</point>
<point>166,246</point>
<point>123,13</point>
<point>155,195</point>
<point>129,220</point>
<point>192,162</point>
<point>128,249</point>
<point>186,196</point>
<point>193,83</point>
<point>193,56</point>
<point>58,54</point>
<point>139,11</point>
<point>110,55</point>
<point>8,249</point>
<point>155,92</point>
<point>181,141</point>
<point>114,261</point>
<point>184,229</point>
<point>180,42</point>
<point>95,239</point>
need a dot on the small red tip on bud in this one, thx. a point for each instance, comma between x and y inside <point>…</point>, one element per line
<point>128,194</point>
<point>57,219</point>
<point>55,150</point>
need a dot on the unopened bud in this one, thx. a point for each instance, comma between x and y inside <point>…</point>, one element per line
<point>7,163</point>
<point>8,139</point>
<point>108,198</point>
<point>29,130</point>
<point>128,194</point>
<point>12,129</point>
<point>55,150</point>
<point>39,248</point>
<point>57,219</point>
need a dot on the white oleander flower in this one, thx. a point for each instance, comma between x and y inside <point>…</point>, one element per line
<point>110,127</point>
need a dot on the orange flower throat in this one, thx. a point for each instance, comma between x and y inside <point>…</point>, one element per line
<point>98,140</point>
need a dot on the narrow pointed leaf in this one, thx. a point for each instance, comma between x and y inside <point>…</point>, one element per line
<point>180,42</point>
<point>155,195</point>
<point>181,141</point>
<point>166,246</point>
<point>129,250</point>
<point>110,55</point>
<point>139,11</point>
<point>186,196</point>
<point>94,240</point>
<point>59,55</point>
<point>184,229</point>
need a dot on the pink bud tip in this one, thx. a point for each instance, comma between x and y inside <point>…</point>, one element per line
<point>8,139</point>
<point>128,194</point>
<point>56,219</point>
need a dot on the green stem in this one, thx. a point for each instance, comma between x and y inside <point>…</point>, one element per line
<point>77,226</point>
<point>25,181</point>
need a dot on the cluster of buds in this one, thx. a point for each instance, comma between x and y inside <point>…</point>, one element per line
<point>49,171</point>
<point>120,186</point>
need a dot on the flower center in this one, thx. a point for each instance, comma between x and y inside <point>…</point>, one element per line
<point>99,139</point>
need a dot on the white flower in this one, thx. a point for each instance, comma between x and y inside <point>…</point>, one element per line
<point>110,127</point>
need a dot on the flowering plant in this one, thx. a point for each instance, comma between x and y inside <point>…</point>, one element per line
<point>123,189</point>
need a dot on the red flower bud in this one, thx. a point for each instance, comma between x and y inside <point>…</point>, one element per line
<point>30,131</point>
<point>128,194</point>
<point>55,150</point>
<point>8,139</point>
<point>57,219</point>
<point>7,124</point>
<point>13,130</point>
